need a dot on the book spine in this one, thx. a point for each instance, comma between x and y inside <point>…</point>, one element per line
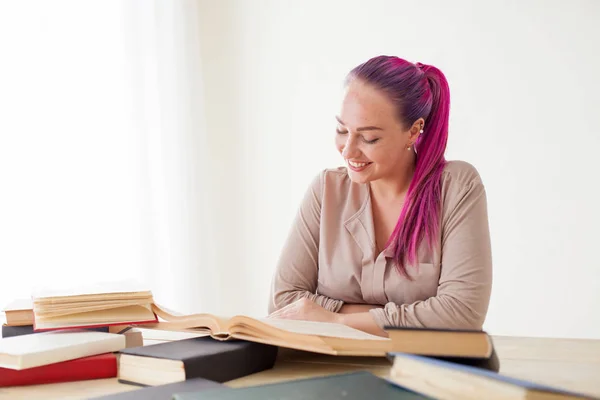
<point>10,331</point>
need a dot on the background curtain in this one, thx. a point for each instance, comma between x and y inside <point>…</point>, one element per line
<point>104,158</point>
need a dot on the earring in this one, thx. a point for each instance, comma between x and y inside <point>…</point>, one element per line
<point>408,148</point>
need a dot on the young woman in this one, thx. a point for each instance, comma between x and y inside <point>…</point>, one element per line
<point>399,236</point>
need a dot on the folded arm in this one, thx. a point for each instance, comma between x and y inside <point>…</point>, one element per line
<point>466,271</point>
<point>297,269</point>
<point>464,286</point>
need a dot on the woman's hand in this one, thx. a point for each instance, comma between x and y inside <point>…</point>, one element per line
<point>356,315</point>
<point>306,310</point>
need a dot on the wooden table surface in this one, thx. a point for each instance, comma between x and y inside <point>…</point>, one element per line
<point>572,364</point>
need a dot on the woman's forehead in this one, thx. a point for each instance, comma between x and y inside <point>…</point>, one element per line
<point>364,105</point>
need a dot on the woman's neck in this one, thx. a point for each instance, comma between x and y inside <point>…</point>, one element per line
<point>391,188</point>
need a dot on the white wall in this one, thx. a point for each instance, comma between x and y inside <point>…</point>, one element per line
<point>524,83</point>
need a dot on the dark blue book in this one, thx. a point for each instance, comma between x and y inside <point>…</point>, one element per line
<point>443,379</point>
<point>350,386</point>
<point>9,331</point>
<point>201,357</point>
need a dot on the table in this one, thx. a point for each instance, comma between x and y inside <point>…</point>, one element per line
<point>572,364</point>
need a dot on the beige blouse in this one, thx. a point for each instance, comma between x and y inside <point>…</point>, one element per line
<point>330,256</point>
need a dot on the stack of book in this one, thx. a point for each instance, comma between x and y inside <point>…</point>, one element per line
<point>424,363</point>
<point>365,385</point>
<point>83,335</point>
<point>476,384</point>
<point>433,364</point>
<point>65,335</point>
<point>98,306</point>
<point>60,356</point>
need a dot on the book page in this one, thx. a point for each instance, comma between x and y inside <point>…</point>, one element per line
<point>214,323</point>
<point>48,311</point>
<point>168,336</point>
<point>320,329</point>
<point>128,314</point>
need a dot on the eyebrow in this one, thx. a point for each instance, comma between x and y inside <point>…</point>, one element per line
<point>362,128</point>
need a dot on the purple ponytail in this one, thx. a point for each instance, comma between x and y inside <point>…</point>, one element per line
<point>418,91</point>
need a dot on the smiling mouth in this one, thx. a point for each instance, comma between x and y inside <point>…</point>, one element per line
<point>358,166</point>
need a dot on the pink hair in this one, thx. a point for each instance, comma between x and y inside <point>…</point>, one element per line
<point>418,91</point>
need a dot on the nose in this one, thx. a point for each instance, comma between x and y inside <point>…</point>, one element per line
<point>350,149</point>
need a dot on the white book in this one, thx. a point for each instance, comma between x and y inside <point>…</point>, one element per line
<point>28,351</point>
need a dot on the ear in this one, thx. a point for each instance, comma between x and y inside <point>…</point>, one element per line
<point>415,130</point>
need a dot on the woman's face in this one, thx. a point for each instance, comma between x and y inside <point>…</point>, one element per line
<point>369,136</point>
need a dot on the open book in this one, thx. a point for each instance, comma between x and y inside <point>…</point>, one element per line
<point>466,347</point>
<point>318,337</point>
<point>93,305</point>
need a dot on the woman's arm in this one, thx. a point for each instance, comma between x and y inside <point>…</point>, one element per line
<point>363,321</point>
<point>358,316</point>
<point>357,308</point>
<point>355,315</point>
<point>296,273</point>
<point>466,269</point>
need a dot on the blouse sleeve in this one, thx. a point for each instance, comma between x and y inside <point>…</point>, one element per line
<point>466,270</point>
<point>297,269</point>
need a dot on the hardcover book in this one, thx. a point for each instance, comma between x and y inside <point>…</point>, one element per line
<point>201,357</point>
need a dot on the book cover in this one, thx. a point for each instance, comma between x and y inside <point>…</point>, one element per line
<point>350,386</point>
<point>454,380</point>
<point>202,357</point>
<point>491,363</point>
<point>86,368</point>
<point>10,331</point>
<point>28,351</point>
<point>462,346</point>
